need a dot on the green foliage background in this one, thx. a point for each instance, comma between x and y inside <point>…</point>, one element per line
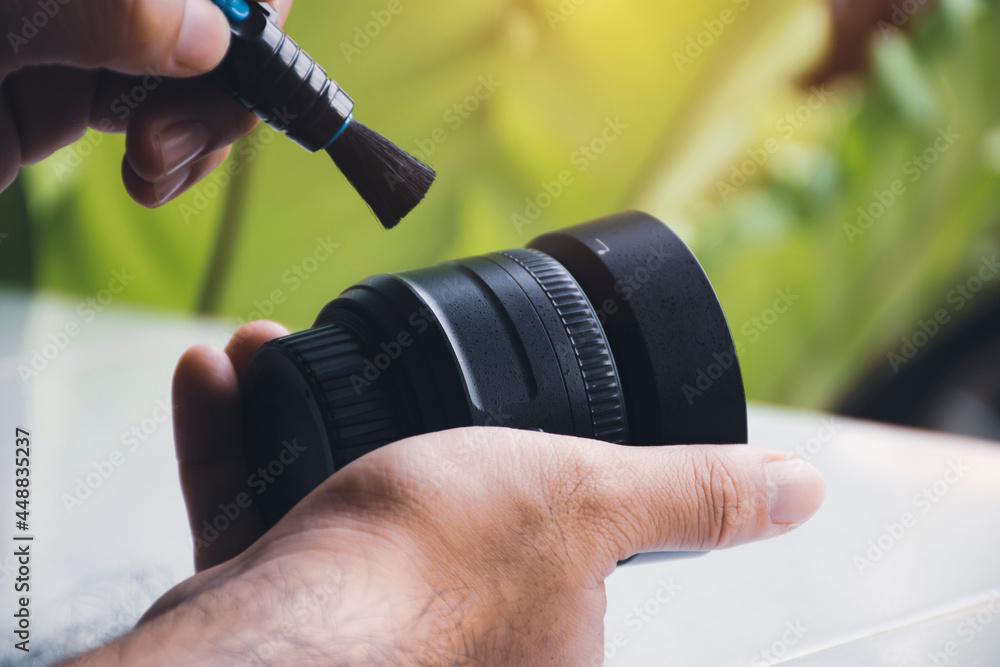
<point>565,69</point>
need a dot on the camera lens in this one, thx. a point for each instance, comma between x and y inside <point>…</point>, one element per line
<point>609,330</point>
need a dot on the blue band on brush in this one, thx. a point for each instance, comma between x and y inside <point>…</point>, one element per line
<point>340,131</point>
<point>236,11</point>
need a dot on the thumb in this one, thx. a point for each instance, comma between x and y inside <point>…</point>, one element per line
<point>166,37</point>
<point>695,498</point>
<point>598,502</point>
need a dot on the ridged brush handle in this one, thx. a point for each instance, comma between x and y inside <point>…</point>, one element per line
<point>278,81</point>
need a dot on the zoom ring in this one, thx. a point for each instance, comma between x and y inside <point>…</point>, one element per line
<point>600,377</point>
<point>358,410</point>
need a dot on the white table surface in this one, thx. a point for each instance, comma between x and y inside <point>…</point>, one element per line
<point>931,598</point>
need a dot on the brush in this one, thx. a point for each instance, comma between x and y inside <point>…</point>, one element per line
<point>275,79</point>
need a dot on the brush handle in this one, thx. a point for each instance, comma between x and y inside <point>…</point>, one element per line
<point>275,79</point>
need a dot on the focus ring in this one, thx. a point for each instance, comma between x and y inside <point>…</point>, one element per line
<point>357,409</point>
<point>590,345</point>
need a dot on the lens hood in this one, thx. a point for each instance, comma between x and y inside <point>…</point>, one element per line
<point>668,333</point>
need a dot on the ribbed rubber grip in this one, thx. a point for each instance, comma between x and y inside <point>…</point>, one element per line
<point>278,81</point>
<point>600,377</point>
<point>357,408</point>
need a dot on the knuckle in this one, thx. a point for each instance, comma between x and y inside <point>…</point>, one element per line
<point>374,485</point>
<point>724,501</point>
<point>424,474</point>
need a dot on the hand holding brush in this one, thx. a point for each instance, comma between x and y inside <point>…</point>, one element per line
<point>283,86</point>
<point>131,66</point>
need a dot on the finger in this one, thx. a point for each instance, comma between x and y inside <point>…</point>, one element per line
<point>10,155</point>
<point>209,448</point>
<point>190,120</point>
<point>245,343</point>
<point>168,37</point>
<point>158,193</point>
<point>207,438</point>
<point>117,96</point>
<point>52,105</point>
<point>47,108</point>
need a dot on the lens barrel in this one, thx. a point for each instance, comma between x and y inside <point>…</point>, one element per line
<point>607,330</point>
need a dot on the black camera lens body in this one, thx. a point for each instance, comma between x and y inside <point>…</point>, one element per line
<point>605,330</point>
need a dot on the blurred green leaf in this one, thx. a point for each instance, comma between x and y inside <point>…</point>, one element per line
<point>502,97</point>
<point>17,251</point>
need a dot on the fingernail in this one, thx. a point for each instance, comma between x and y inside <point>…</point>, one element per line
<point>200,44</point>
<point>795,490</point>
<point>166,188</point>
<point>181,144</point>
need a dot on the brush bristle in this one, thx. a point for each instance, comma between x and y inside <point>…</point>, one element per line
<point>389,179</point>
